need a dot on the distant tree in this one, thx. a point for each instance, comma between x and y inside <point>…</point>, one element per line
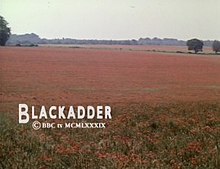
<point>4,31</point>
<point>216,46</point>
<point>195,44</point>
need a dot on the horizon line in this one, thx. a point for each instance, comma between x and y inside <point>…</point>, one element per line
<point>155,37</point>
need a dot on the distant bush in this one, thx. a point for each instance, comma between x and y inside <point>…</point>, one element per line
<point>26,45</point>
<point>216,46</point>
<point>179,51</point>
<point>33,45</point>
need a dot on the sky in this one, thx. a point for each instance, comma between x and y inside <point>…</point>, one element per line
<point>114,19</point>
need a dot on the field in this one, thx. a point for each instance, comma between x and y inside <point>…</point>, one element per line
<point>165,107</point>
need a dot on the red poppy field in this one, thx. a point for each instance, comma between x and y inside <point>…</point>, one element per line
<point>165,107</point>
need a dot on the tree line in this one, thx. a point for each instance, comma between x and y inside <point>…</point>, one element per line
<point>193,44</point>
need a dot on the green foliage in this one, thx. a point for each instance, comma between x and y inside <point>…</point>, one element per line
<point>195,44</point>
<point>216,46</point>
<point>4,31</point>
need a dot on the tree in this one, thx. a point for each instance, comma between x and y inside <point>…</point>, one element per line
<point>216,46</point>
<point>195,44</point>
<point>5,31</point>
